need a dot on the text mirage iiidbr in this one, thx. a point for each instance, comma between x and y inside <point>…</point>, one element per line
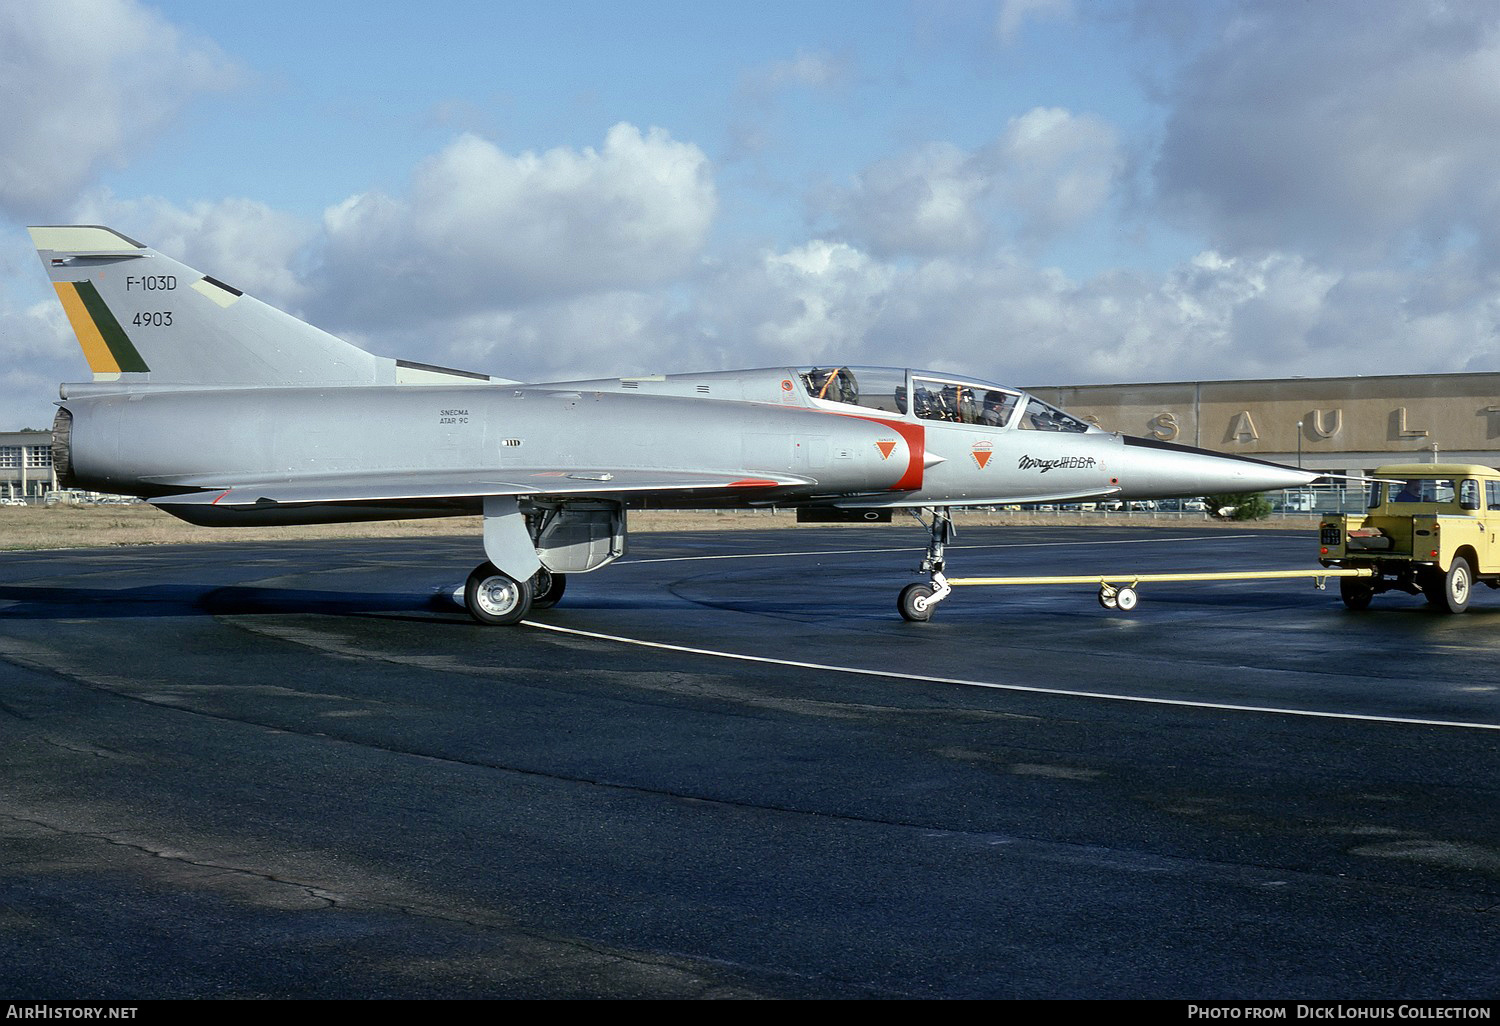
<point>223,410</point>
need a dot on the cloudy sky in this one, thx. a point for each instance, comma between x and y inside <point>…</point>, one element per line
<point>1034,191</point>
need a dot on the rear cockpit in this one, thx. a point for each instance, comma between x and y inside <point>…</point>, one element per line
<point>934,396</point>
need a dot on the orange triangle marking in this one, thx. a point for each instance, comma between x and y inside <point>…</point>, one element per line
<point>982,457</point>
<point>886,448</point>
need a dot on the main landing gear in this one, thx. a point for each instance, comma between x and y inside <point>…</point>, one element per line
<point>496,598</point>
<point>546,588</point>
<point>916,601</point>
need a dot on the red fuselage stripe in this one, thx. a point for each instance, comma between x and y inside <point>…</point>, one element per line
<point>916,448</point>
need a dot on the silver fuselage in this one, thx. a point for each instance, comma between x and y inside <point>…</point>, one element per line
<point>788,447</point>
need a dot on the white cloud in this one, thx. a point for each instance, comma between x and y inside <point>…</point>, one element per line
<point>1055,169</point>
<point>998,316</point>
<point>481,228</point>
<point>812,303</point>
<point>1015,13</point>
<point>584,336</point>
<point>927,201</point>
<point>807,70</point>
<point>86,83</point>
<point>35,331</point>
<point>761,90</point>
<point>37,347</point>
<point>1002,318</point>
<point>1046,174</point>
<point>1359,133</point>
<point>242,242</point>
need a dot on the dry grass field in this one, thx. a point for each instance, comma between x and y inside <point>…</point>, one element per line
<point>76,527</point>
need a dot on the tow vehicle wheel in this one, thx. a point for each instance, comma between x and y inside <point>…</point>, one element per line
<point>1356,592</point>
<point>1457,586</point>
<point>1108,598</point>
<point>914,602</point>
<point>496,598</point>
<point>546,588</point>
<point>1126,599</point>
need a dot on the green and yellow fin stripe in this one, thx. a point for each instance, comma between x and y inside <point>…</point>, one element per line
<point>105,345</point>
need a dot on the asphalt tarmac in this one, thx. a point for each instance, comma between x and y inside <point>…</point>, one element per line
<point>725,767</point>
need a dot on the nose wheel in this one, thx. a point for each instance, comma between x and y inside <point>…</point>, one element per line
<point>915,602</point>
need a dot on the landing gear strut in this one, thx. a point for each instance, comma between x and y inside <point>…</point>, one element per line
<point>917,600</point>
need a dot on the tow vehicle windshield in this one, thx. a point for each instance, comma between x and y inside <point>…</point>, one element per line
<point>1423,489</point>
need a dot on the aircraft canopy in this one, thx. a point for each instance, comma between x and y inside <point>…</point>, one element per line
<point>936,395</point>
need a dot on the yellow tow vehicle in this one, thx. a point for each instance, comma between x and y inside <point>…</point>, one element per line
<point>1430,529</point>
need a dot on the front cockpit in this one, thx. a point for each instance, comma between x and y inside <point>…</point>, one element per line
<point>935,396</point>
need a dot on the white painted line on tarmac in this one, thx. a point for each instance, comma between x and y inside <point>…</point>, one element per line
<point>1022,688</point>
<point>915,547</point>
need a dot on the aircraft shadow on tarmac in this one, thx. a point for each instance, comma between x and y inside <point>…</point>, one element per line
<point>52,602</point>
<point>169,600</point>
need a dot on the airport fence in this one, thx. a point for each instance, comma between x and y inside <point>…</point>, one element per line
<point>1301,503</point>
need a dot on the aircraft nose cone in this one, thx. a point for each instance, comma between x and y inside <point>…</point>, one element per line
<point>1162,469</point>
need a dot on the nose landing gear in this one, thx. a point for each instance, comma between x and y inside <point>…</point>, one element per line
<point>916,601</point>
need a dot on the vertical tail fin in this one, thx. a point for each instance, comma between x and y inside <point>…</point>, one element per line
<point>142,317</point>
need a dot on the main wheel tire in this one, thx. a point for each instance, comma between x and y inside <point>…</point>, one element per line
<point>1458,586</point>
<point>914,603</point>
<point>546,588</point>
<point>495,598</point>
<point>1356,592</point>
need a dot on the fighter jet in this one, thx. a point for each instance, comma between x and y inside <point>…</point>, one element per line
<point>224,411</point>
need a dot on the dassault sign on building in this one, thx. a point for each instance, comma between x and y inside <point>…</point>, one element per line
<point>1348,423</point>
<point>223,410</point>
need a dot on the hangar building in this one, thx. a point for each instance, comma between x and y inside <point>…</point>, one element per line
<point>1339,425</point>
